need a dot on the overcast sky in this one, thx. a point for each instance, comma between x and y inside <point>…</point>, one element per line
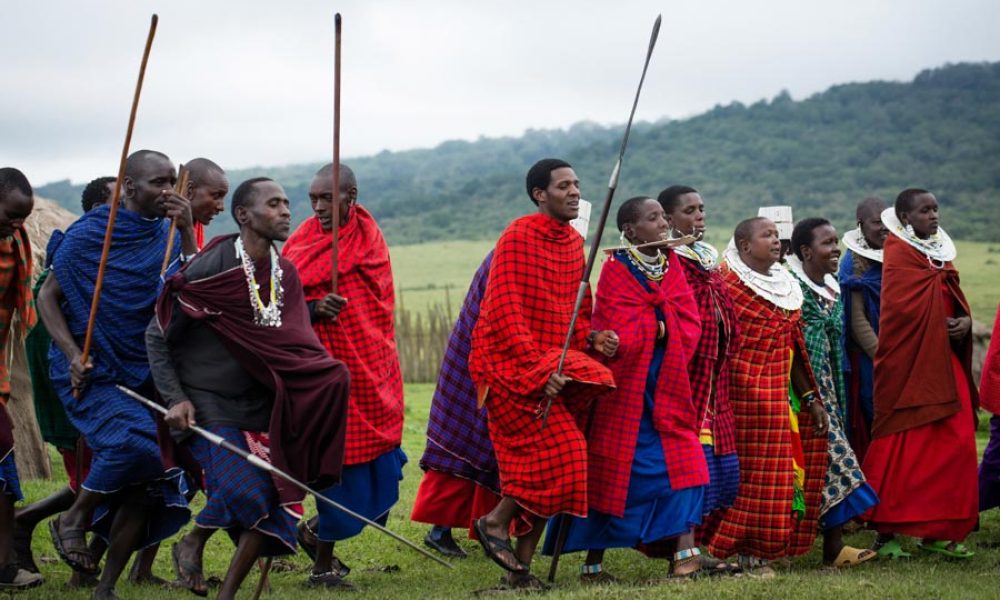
<point>251,82</point>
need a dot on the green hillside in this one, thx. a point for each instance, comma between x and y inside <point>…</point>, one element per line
<point>821,154</point>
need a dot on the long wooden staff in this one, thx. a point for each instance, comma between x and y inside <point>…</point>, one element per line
<point>335,208</point>
<point>182,182</point>
<point>563,521</point>
<point>116,196</point>
<point>596,244</point>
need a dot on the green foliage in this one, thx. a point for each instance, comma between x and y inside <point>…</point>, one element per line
<point>821,155</point>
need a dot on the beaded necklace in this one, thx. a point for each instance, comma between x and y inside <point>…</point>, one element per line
<point>653,267</point>
<point>269,315</point>
<point>703,252</point>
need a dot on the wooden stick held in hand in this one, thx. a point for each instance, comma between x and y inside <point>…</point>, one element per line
<point>335,204</point>
<point>116,196</point>
<point>182,182</point>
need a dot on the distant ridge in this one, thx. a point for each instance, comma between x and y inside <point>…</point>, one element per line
<point>821,155</point>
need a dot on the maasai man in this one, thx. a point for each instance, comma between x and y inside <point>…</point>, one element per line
<point>709,367</point>
<point>16,203</point>
<point>134,503</point>
<point>781,465</point>
<point>49,412</point>
<point>356,326</point>
<point>922,458</point>
<point>206,189</point>
<point>516,345</point>
<point>647,471</point>
<point>861,289</point>
<point>461,482</point>
<point>846,496</point>
<point>224,372</point>
<point>989,399</point>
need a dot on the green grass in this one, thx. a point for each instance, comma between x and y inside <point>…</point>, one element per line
<point>923,576</point>
<point>423,271</point>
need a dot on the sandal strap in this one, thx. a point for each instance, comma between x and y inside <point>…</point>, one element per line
<point>591,569</point>
<point>686,554</point>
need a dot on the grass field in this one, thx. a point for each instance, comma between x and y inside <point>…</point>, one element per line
<point>929,577</point>
<point>424,271</point>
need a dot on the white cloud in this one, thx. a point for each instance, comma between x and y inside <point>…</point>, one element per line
<point>250,83</point>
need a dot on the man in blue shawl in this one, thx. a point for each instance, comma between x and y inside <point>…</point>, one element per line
<point>461,481</point>
<point>861,290</point>
<point>134,502</point>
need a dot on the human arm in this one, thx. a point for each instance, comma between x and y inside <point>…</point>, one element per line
<point>49,297</point>
<point>861,329</point>
<point>803,385</point>
<point>181,411</point>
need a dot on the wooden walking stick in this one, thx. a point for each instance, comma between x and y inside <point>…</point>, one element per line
<point>563,527</point>
<point>335,203</point>
<point>115,197</point>
<point>182,182</point>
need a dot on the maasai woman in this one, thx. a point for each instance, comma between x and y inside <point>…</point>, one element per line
<point>709,368</point>
<point>647,472</point>
<point>782,464</point>
<point>922,459</point>
<point>861,289</point>
<point>814,259</point>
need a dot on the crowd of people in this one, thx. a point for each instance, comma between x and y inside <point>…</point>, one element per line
<point>718,409</point>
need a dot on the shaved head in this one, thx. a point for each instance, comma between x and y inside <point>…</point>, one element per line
<point>200,168</point>
<point>869,207</point>
<point>137,161</point>
<point>347,179</point>
<point>744,231</point>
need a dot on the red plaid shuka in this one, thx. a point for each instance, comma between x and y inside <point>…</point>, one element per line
<point>516,343</point>
<point>628,308</point>
<point>363,335</point>
<point>709,368</point>
<point>760,523</point>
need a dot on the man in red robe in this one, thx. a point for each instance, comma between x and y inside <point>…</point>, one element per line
<point>524,318</point>
<point>356,326</point>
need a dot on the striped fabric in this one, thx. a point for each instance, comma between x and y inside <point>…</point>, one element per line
<point>761,523</point>
<point>15,297</point>
<point>240,496</point>
<point>458,438</point>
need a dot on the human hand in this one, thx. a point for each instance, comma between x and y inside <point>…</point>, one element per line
<point>330,306</point>
<point>181,415</point>
<point>606,342</point>
<point>177,208</point>
<point>79,372</point>
<point>821,419</point>
<point>555,384</point>
<point>959,327</point>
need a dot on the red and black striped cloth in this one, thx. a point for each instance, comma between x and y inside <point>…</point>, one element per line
<point>628,308</point>
<point>363,334</point>
<point>525,314</point>
<point>760,523</point>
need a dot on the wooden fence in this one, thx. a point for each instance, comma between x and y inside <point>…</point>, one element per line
<point>421,338</point>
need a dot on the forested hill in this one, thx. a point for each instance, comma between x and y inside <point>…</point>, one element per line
<point>821,155</point>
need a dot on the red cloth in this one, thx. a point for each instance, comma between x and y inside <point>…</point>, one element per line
<point>624,306</point>
<point>363,335</point>
<point>760,522</point>
<point>709,368</point>
<point>914,384</point>
<point>70,458</point>
<point>449,501</point>
<point>989,384</point>
<point>926,476</point>
<point>199,235</point>
<point>524,318</point>
<point>310,389</point>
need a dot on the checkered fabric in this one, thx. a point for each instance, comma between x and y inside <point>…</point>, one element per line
<point>631,307</point>
<point>239,496</point>
<point>525,314</point>
<point>709,366</point>
<point>760,523</point>
<point>15,296</point>
<point>458,437</point>
<point>363,334</point>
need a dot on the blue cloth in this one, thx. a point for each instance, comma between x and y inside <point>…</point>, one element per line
<point>854,505</point>
<point>120,432</point>
<point>9,482</point>
<point>870,286</point>
<point>369,489</point>
<point>653,511</point>
<point>241,496</point>
<point>724,479</point>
